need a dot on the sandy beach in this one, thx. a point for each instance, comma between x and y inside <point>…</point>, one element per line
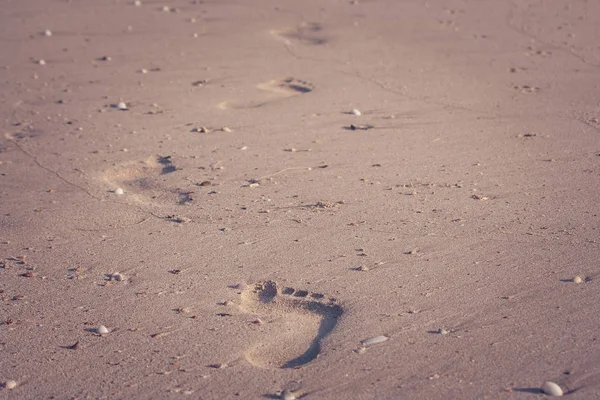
<point>260,199</point>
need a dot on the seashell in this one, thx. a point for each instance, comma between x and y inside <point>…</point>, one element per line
<point>41,62</point>
<point>577,279</point>
<point>117,276</point>
<point>551,389</point>
<point>442,331</point>
<point>355,112</point>
<point>10,384</point>
<point>374,340</point>
<point>119,191</point>
<point>101,330</point>
<point>47,32</point>
<point>122,106</point>
<point>137,3</point>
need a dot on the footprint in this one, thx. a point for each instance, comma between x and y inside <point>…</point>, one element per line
<point>294,324</point>
<point>277,89</point>
<point>145,181</point>
<point>307,33</point>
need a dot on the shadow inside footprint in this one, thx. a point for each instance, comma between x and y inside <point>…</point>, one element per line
<point>300,322</point>
<point>167,165</point>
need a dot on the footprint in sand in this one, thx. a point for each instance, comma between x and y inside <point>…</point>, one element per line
<point>307,33</point>
<point>277,89</point>
<point>294,323</point>
<point>145,181</point>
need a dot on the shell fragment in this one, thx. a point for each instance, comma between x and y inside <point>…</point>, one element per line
<point>374,340</point>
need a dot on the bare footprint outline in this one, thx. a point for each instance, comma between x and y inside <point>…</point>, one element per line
<point>309,317</point>
<point>276,90</point>
<point>143,181</point>
<point>308,33</point>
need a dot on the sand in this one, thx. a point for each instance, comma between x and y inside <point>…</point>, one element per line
<point>192,176</point>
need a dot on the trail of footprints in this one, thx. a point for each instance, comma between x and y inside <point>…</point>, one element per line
<point>307,33</point>
<point>295,322</point>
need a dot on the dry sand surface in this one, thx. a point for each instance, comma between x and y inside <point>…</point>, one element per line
<point>320,199</point>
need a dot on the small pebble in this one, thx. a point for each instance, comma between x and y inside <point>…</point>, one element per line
<point>577,279</point>
<point>137,3</point>
<point>166,9</point>
<point>101,330</point>
<point>143,71</point>
<point>226,129</point>
<point>47,32</point>
<point>551,389</point>
<point>355,112</point>
<point>117,276</point>
<point>42,62</point>
<point>374,340</point>
<point>442,331</point>
<point>10,384</point>
<point>119,191</point>
<point>122,106</point>
<point>287,395</point>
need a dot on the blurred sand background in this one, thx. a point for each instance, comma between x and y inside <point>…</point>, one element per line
<point>265,229</point>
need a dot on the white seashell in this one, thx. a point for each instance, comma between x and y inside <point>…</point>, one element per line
<point>577,279</point>
<point>42,62</point>
<point>355,112</point>
<point>47,32</point>
<point>374,340</point>
<point>10,384</point>
<point>143,71</point>
<point>166,9</point>
<point>442,331</point>
<point>101,330</point>
<point>226,129</point>
<point>137,3</point>
<point>117,276</point>
<point>122,106</point>
<point>119,191</point>
<point>551,389</point>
